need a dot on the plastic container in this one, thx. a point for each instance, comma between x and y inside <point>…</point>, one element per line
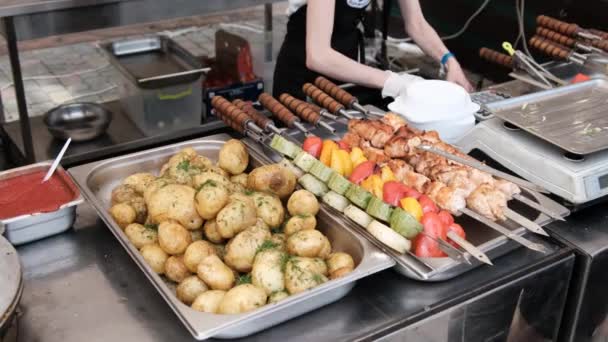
<point>439,106</point>
<point>35,226</point>
<point>161,89</point>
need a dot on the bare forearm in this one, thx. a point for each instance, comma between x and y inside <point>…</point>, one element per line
<point>427,39</point>
<point>336,65</point>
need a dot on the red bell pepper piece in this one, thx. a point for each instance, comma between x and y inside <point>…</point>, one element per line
<point>343,145</point>
<point>426,247</point>
<point>428,206</point>
<point>455,227</point>
<point>362,171</point>
<point>446,218</point>
<point>313,145</point>
<point>393,192</point>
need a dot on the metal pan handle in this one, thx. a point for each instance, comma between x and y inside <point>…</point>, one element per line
<point>176,74</point>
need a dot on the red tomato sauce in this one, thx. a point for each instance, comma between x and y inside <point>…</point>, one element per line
<point>25,194</point>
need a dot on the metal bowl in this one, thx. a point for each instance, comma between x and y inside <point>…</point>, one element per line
<point>79,121</point>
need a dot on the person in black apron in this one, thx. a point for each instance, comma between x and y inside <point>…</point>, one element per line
<point>314,46</point>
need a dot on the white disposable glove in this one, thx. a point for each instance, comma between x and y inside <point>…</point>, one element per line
<point>397,84</point>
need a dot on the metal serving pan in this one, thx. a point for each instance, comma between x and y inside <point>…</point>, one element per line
<point>573,117</point>
<point>97,180</point>
<point>26,228</point>
<point>435,269</point>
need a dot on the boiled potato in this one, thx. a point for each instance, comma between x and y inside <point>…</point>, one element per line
<point>318,265</point>
<point>211,232</point>
<point>196,234</point>
<point>123,194</point>
<point>242,298</point>
<point>140,235</point>
<point>210,199</point>
<point>210,176</point>
<point>269,208</point>
<point>154,186</point>
<point>174,202</point>
<point>208,301</point>
<point>173,238</point>
<point>190,288</point>
<point>236,216</point>
<point>273,179</point>
<point>240,179</point>
<point>277,296</point>
<point>139,181</point>
<point>233,157</point>
<point>196,252</point>
<point>309,243</point>
<point>266,272</point>
<point>180,167</point>
<point>155,257</point>
<point>220,250</point>
<point>215,273</point>
<point>123,214</point>
<point>302,274</point>
<point>261,224</point>
<point>175,269</point>
<point>339,264</point>
<point>141,211</point>
<point>298,223</point>
<point>240,251</point>
<point>201,162</point>
<point>280,240</point>
<point>303,202</point>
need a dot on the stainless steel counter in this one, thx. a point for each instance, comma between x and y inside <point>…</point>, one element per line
<point>82,286</point>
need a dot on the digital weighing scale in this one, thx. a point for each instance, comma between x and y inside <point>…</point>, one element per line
<point>555,138</point>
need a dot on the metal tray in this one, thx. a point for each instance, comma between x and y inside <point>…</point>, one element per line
<point>97,180</point>
<point>573,117</point>
<point>27,228</point>
<point>436,269</point>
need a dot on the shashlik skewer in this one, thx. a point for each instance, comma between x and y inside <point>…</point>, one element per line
<point>340,94</point>
<point>281,112</point>
<point>306,113</point>
<point>260,119</point>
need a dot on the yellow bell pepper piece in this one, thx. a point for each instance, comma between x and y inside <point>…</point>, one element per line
<point>357,157</point>
<point>328,147</point>
<point>387,174</point>
<point>374,185</point>
<point>347,163</point>
<point>336,163</point>
<point>412,206</point>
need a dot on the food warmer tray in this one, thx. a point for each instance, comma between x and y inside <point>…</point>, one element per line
<point>573,117</point>
<point>97,180</point>
<point>436,269</point>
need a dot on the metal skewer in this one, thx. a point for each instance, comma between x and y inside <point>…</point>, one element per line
<point>447,248</point>
<point>305,112</point>
<point>467,246</point>
<point>281,112</point>
<point>260,119</point>
<point>525,200</point>
<point>340,95</point>
<point>482,167</point>
<point>504,231</point>
<point>326,101</point>
<point>528,224</point>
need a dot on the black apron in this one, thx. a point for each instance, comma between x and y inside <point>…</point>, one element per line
<point>290,72</point>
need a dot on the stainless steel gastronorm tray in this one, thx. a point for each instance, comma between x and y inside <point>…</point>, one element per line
<point>438,269</point>
<point>573,117</point>
<point>97,180</point>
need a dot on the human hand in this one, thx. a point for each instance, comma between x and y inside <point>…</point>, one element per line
<point>456,75</point>
<point>397,84</point>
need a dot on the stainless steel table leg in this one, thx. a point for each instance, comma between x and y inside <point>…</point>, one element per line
<point>24,120</point>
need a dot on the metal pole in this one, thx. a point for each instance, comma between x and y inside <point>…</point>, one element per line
<point>386,13</point>
<point>268,31</point>
<point>24,120</point>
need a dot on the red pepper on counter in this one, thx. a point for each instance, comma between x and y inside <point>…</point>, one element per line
<point>313,145</point>
<point>433,226</point>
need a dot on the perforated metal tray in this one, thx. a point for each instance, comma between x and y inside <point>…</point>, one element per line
<point>573,118</point>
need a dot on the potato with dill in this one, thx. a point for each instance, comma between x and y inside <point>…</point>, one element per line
<point>242,298</point>
<point>278,296</point>
<point>302,274</point>
<point>210,199</point>
<point>215,273</point>
<point>208,301</point>
<point>155,257</point>
<point>139,181</point>
<point>272,178</point>
<point>280,240</point>
<point>140,235</point>
<point>173,238</point>
<point>190,288</point>
<point>123,214</point>
<point>175,269</point>
<point>269,208</point>
<point>303,202</point>
<point>298,223</point>
<point>174,202</point>
<point>210,176</point>
<point>241,250</point>
<point>339,264</point>
<point>308,243</point>
<point>266,272</point>
<point>211,232</point>
<point>240,179</point>
<point>196,252</point>
<point>236,216</point>
<point>233,157</point>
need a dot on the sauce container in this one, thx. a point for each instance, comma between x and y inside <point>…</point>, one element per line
<point>38,224</point>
